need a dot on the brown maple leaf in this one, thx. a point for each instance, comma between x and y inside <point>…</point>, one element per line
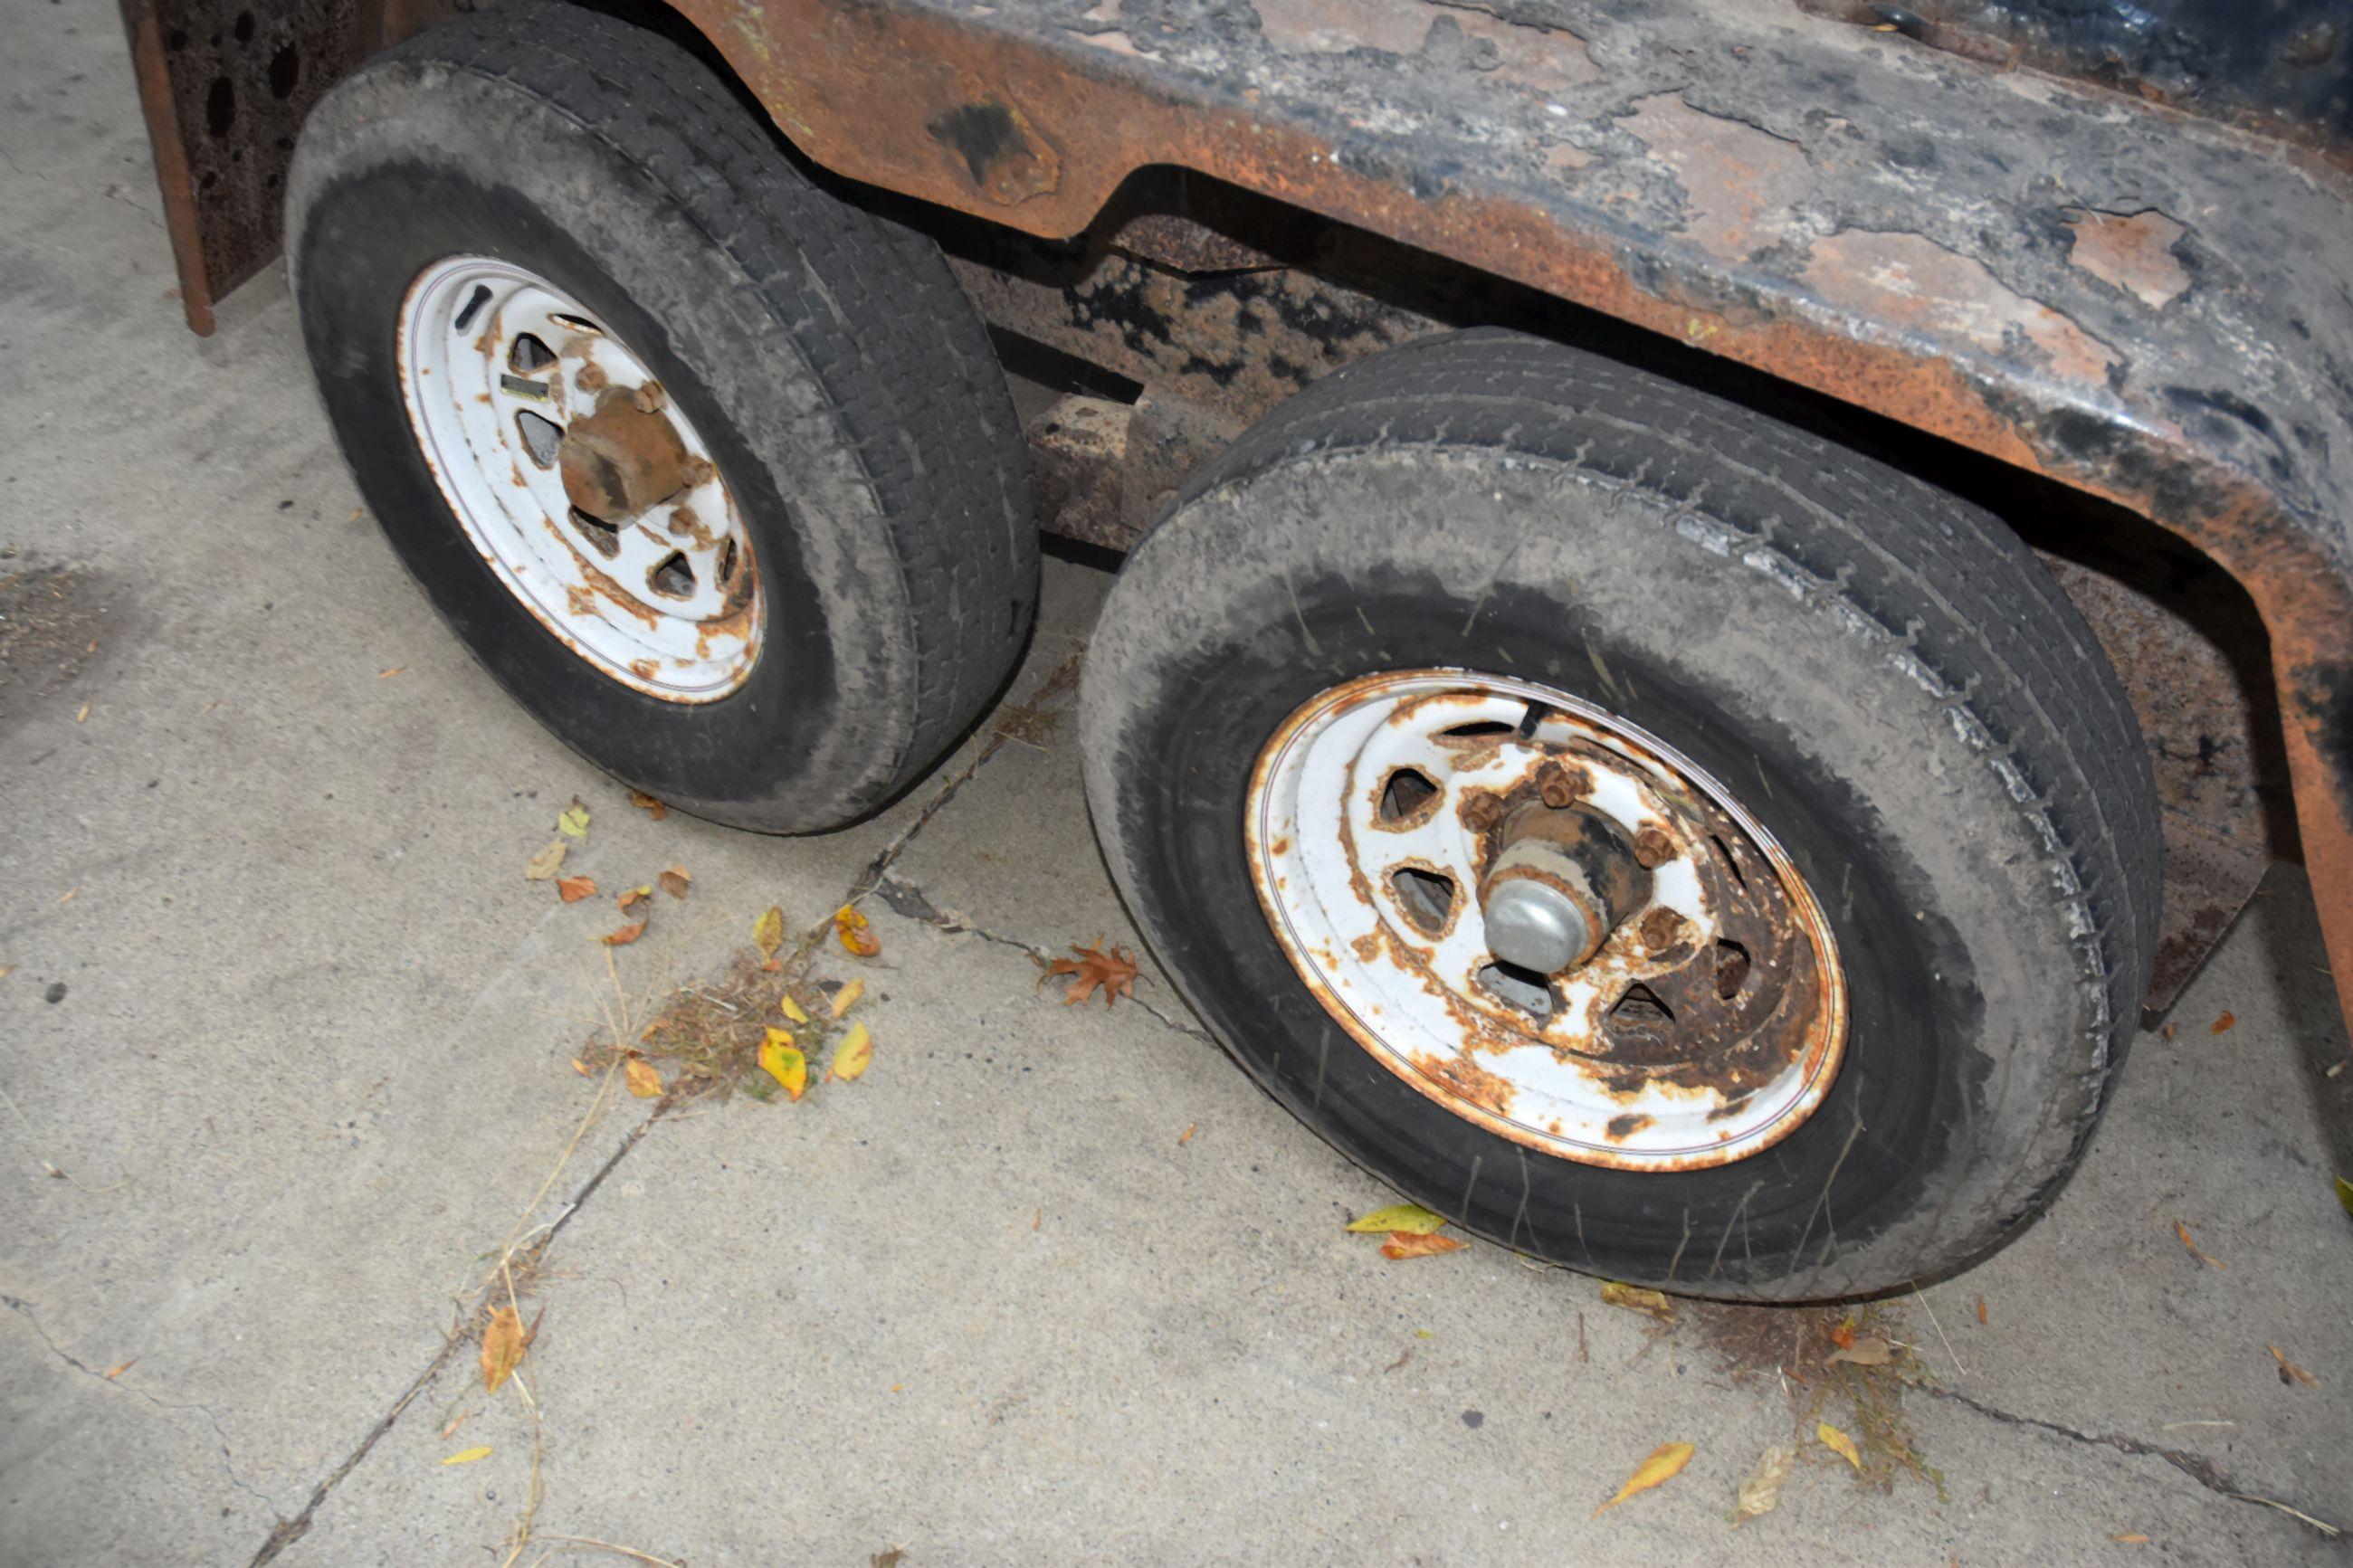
<point>1112,970</point>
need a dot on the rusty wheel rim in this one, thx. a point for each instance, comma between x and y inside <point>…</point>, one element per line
<point>1710,1019</point>
<point>588,493</point>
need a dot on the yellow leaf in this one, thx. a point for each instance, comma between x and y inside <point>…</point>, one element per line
<point>792,1009</point>
<point>2345,1193</point>
<point>1666,1461</point>
<point>847,997</point>
<point>1839,1442</point>
<point>1761,1492</point>
<point>644,1081</point>
<point>1412,1218</point>
<point>781,1060</point>
<point>544,864</point>
<point>573,822</point>
<point>1635,1298</point>
<point>856,1049</point>
<point>467,1456</point>
<point>502,1348</point>
<point>857,935</point>
<point>768,931</point>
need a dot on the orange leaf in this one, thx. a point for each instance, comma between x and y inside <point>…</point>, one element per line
<point>674,881</point>
<point>1666,1462</point>
<point>1843,1335</point>
<point>1186,1136</point>
<point>2223,1025</point>
<point>2288,1370</point>
<point>1114,971</point>
<point>2130,1538</point>
<point>502,1345</point>
<point>857,936</point>
<point>1981,1312</point>
<point>633,898</point>
<point>1416,1244</point>
<point>572,890</point>
<point>2182,1231</point>
<point>647,805</point>
<point>644,1081</point>
<point>623,937</point>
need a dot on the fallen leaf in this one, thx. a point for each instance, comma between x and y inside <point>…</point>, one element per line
<point>2288,1370</point>
<point>856,1049</point>
<point>119,1368</point>
<point>768,931</point>
<point>388,674</point>
<point>847,997</point>
<point>2169,1030</point>
<point>580,1067</point>
<point>1114,971</point>
<point>674,881</point>
<point>634,897</point>
<point>1635,1298</point>
<point>1186,1136</point>
<point>544,864</point>
<point>792,1009</point>
<point>1839,1443</point>
<point>83,714</point>
<point>1666,1462</point>
<point>1870,1350</point>
<point>2133,1538</point>
<point>2345,1195</point>
<point>573,823</point>
<point>1417,1244</point>
<point>783,1061</point>
<point>1761,1492</point>
<point>572,890</point>
<point>1981,1312</point>
<point>467,1456</point>
<point>649,805</point>
<point>1843,1335</point>
<point>70,894</point>
<point>2182,1231</point>
<point>623,937</point>
<point>503,1342</point>
<point>858,937</point>
<point>1409,1217</point>
<point>2223,1026</point>
<point>887,1559</point>
<point>450,1427</point>
<point>644,1081</point>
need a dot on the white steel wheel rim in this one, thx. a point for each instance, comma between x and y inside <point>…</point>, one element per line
<point>667,603</point>
<point>1401,967</point>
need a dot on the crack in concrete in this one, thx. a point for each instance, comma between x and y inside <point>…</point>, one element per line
<point>2197,1467</point>
<point>1059,682</point>
<point>910,902</point>
<point>228,1463</point>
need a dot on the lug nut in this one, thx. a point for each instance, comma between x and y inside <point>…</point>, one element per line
<point>1480,811</point>
<point>1558,786</point>
<point>1652,849</point>
<point>698,471</point>
<point>649,398</point>
<point>1660,928</point>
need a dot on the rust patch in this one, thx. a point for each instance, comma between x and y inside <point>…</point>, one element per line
<point>1621,1128</point>
<point>1740,185</point>
<point>2134,252</point>
<point>1912,283</point>
<point>1469,1082</point>
<point>1549,60</point>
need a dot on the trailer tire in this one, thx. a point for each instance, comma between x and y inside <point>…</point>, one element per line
<point>1889,681</point>
<point>826,361</point>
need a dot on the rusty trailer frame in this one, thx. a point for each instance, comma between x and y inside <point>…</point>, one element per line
<point>2040,249</point>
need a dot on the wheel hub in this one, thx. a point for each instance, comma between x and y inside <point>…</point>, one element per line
<point>1546,920</point>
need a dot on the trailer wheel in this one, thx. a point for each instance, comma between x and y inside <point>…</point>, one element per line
<point>1657,839</point>
<point>715,471</point>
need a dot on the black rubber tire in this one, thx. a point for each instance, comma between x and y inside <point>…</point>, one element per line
<point>1894,687</point>
<point>846,387</point>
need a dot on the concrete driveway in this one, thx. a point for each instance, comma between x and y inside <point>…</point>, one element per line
<point>287,1043</point>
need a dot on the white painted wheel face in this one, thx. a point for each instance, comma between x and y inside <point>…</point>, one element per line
<point>1706,1027</point>
<point>495,361</point>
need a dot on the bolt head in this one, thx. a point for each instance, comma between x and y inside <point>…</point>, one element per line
<point>1660,928</point>
<point>1482,810</point>
<point>1652,849</point>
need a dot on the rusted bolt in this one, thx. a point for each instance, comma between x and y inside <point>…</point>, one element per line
<point>1652,849</point>
<point>698,471</point>
<point>1660,928</point>
<point>591,377</point>
<point>1482,810</point>
<point>1559,786</point>
<point>649,397</point>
